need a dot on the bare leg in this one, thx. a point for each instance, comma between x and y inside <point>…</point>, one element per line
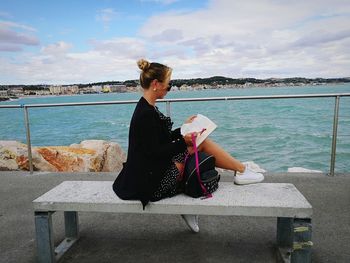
<point>223,159</point>
<point>226,161</point>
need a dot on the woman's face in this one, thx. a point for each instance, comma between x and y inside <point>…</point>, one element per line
<point>163,88</point>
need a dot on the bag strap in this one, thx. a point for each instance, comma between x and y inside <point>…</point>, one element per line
<point>204,190</point>
<point>180,177</point>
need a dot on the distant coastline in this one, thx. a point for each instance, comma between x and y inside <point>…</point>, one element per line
<point>10,92</point>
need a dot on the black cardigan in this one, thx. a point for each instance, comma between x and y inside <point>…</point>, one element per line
<point>150,152</point>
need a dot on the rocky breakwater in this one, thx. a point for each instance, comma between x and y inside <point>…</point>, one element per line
<point>87,156</point>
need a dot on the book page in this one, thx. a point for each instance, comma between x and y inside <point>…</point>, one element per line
<point>202,125</point>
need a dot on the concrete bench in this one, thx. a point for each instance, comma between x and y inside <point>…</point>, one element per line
<point>280,200</point>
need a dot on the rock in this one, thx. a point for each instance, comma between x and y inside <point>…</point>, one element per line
<point>88,156</point>
<point>12,155</point>
<point>7,160</point>
<point>66,159</point>
<point>113,152</point>
<point>110,155</point>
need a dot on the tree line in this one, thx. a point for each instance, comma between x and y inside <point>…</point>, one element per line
<point>212,81</point>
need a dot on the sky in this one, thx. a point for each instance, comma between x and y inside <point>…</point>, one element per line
<point>86,41</point>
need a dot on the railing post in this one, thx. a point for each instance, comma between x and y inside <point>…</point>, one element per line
<point>29,145</point>
<point>168,108</point>
<point>334,138</point>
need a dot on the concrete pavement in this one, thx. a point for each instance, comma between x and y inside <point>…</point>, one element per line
<point>107,237</point>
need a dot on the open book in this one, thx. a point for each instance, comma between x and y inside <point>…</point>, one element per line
<point>201,124</point>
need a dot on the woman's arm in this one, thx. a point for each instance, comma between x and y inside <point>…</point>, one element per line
<point>149,135</point>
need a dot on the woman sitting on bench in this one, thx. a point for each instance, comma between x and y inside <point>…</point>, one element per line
<point>156,153</point>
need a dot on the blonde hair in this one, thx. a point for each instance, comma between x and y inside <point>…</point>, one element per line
<point>152,71</point>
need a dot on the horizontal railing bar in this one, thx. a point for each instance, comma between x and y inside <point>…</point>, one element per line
<point>81,103</point>
<point>329,95</point>
<point>264,97</point>
<point>11,106</point>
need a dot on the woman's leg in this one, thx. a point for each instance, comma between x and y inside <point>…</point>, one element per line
<point>191,220</point>
<point>223,159</point>
<point>226,161</point>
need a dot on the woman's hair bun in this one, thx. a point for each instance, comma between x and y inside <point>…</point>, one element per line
<point>143,64</point>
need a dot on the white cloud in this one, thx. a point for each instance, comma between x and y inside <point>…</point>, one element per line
<point>106,16</point>
<point>168,35</point>
<point>121,47</point>
<point>261,38</point>
<point>164,2</point>
<point>9,47</point>
<point>60,47</point>
<point>12,41</point>
<point>56,64</point>
<point>10,24</point>
<point>257,38</point>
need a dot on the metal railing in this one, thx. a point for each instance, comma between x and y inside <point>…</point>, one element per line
<point>337,97</point>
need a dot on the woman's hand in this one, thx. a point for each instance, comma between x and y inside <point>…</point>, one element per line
<point>188,138</point>
<point>190,119</point>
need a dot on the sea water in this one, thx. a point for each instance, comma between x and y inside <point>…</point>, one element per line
<point>276,134</point>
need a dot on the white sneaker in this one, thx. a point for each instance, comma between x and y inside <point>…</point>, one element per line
<point>192,222</point>
<point>248,177</point>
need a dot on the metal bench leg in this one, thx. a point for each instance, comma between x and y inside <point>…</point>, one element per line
<point>44,237</point>
<point>71,224</point>
<point>294,239</point>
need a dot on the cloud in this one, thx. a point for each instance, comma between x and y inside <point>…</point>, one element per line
<point>60,47</point>
<point>9,36</point>
<point>120,47</point>
<point>12,40</point>
<point>164,2</point>
<point>168,35</point>
<point>259,37</point>
<point>10,24</point>
<point>5,15</point>
<point>56,63</point>
<point>9,47</point>
<point>106,16</point>
<point>256,38</point>
<point>321,37</point>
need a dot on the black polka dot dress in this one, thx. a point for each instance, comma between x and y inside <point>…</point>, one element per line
<point>169,186</point>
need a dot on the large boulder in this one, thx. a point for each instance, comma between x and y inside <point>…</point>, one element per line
<point>88,156</point>
<point>109,155</point>
<point>13,155</point>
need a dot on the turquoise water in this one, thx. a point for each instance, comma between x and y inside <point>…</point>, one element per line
<point>275,134</point>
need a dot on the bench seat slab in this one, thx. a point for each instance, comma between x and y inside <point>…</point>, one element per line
<point>265,199</point>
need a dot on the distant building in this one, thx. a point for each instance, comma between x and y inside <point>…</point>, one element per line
<point>15,92</point>
<point>97,88</point>
<point>114,88</point>
<point>55,90</point>
<point>119,88</point>
<point>43,92</point>
<point>3,93</point>
<point>106,89</point>
<point>67,90</point>
<point>71,89</point>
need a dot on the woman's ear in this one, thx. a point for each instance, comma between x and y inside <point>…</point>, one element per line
<point>154,85</point>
